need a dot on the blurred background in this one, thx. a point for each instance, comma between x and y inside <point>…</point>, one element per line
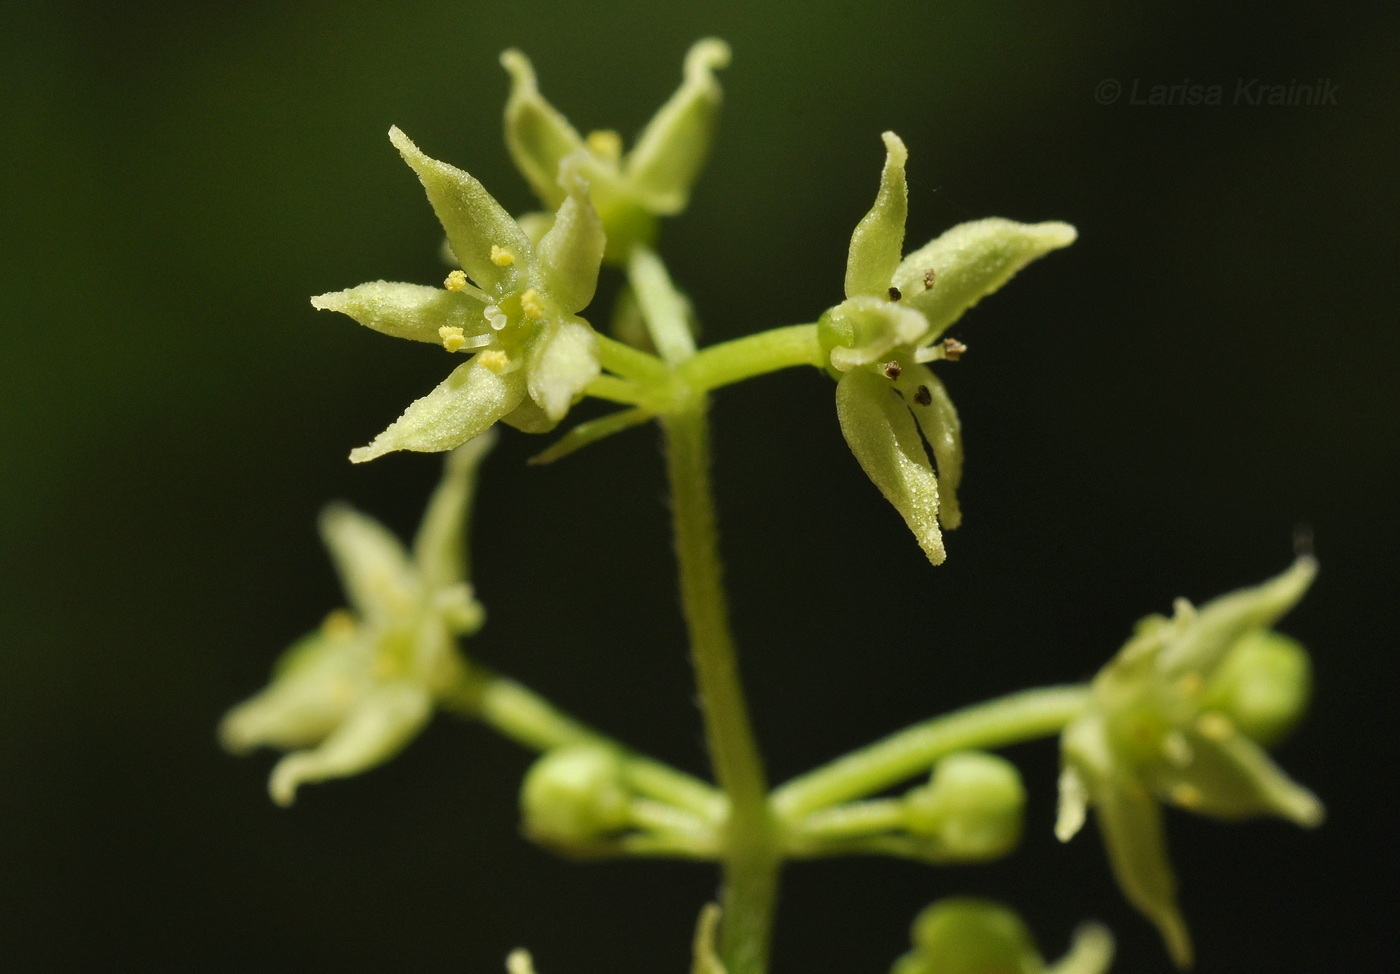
<point>1151,413</point>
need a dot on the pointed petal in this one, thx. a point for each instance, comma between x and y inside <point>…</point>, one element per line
<point>440,547</point>
<point>463,406</point>
<point>374,569</point>
<point>969,262</point>
<point>561,365</point>
<point>878,240</point>
<point>669,153</point>
<point>572,251</point>
<point>938,421</point>
<point>1233,778</point>
<point>882,435</point>
<point>1222,622</point>
<point>379,727</point>
<point>474,221</point>
<point>538,136</point>
<point>1131,822</point>
<point>301,706</point>
<point>406,310</point>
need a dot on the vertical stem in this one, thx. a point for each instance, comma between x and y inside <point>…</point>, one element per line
<point>751,860</point>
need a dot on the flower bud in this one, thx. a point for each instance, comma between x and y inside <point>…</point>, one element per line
<point>963,935</point>
<point>1262,685</point>
<point>574,798</point>
<point>972,806</point>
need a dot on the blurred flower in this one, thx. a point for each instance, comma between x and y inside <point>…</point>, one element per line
<point>629,191</point>
<point>352,694</point>
<point>1178,716</point>
<point>880,338</point>
<point>513,307</point>
<point>965,935</point>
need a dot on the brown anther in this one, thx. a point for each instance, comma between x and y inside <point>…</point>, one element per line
<point>953,349</point>
<point>894,293</point>
<point>929,277</point>
<point>922,396</point>
<point>892,370</point>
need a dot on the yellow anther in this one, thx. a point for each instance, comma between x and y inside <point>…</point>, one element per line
<point>456,281</point>
<point>452,338</point>
<point>1190,685</point>
<point>531,304</point>
<point>1177,749</point>
<point>339,624</point>
<point>501,257</point>
<point>494,359</point>
<point>1215,726</point>
<point>1185,795</point>
<point>605,143</point>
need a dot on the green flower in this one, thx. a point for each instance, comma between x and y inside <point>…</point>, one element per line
<point>531,356</point>
<point>630,191</point>
<point>1178,716</point>
<point>882,336</point>
<point>352,694</point>
<point>966,935</point>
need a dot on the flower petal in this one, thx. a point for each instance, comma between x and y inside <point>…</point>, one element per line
<point>474,221</point>
<point>374,568</point>
<point>305,702</point>
<point>670,151</point>
<point>378,728</point>
<point>938,421</point>
<point>463,406</point>
<point>882,435</point>
<point>1223,621</point>
<point>953,272</point>
<point>571,252</point>
<point>439,547</point>
<point>1231,777</point>
<point>406,310</point>
<point>537,135</point>
<point>1131,823</point>
<point>562,363</point>
<point>878,240</point>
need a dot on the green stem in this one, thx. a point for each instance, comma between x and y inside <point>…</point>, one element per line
<point>752,355</point>
<point>1007,720</point>
<point>663,309</point>
<point>517,712</point>
<point>751,855</point>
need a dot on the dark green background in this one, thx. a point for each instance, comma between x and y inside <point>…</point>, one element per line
<point>1148,414</point>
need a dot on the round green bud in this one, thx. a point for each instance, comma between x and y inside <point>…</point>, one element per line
<point>964,935</point>
<point>574,798</point>
<point>1262,685</point>
<point>972,806</point>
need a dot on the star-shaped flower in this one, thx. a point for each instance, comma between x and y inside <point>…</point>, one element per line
<point>513,307</point>
<point>352,694</point>
<point>1178,716</point>
<point>882,336</point>
<point>630,191</point>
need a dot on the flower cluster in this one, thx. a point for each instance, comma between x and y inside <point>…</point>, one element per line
<point>882,337</point>
<point>1179,716</point>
